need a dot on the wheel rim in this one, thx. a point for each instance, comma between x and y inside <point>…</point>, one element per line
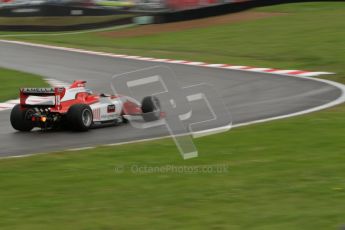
<point>87,118</point>
<point>157,108</point>
<point>156,104</point>
<point>28,114</point>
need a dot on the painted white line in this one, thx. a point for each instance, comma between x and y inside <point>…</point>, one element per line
<point>339,100</point>
<point>177,61</point>
<point>57,83</point>
<point>182,62</point>
<point>216,65</point>
<point>284,71</point>
<point>6,105</point>
<point>145,59</point>
<point>160,60</point>
<point>80,149</point>
<point>16,101</point>
<point>236,67</point>
<point>312,74</point>
<point>135,141</point>
<point>259,69</point>
<point>132,57</point>
<point>195,63</point>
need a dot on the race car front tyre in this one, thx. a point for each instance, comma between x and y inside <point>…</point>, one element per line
<point>151,108</point>
<point>20,119</point>
<point>80,117</point>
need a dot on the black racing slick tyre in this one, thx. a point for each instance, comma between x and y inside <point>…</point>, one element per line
<point>79,117</point>
<point>20,119</point>
<point>151,108</point>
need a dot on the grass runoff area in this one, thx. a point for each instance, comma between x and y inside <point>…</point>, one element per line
<point>12,80</point>
<point>286,174</point>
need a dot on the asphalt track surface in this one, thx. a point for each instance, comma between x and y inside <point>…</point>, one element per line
<point>249,96</point>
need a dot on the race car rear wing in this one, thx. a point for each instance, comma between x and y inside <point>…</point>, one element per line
<point>42,93</point>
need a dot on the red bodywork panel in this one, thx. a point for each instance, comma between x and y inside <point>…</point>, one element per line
<point>131,108</point>
<point>77,84</point>
<point>81,98</point>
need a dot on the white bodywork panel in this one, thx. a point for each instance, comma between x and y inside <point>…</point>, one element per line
<point>103,110</point>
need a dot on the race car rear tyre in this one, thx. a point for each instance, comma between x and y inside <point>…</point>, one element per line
<point>20,119</point>
<point>80,117</point>
<point>151,108</point>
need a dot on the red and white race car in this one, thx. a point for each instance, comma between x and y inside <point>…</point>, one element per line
<point>77,108</point>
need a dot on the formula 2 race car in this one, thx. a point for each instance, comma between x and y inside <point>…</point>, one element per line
<point>77,108</point>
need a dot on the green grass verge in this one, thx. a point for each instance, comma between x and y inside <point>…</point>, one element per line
<point>116,3</point>
<point>286,174</point>
<point>12,80</point>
